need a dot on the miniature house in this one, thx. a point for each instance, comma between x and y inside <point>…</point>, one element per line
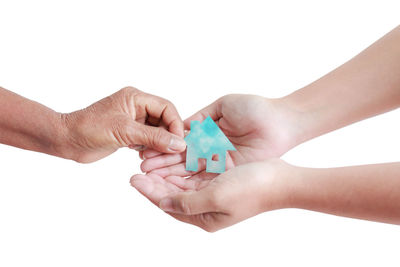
<point>207,141</point>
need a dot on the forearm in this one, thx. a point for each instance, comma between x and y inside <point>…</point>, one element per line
<point>367,85</point>
<point>370,192</point>
<point>29,125</point>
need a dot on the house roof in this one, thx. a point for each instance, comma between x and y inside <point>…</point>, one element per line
<point>207,137</point>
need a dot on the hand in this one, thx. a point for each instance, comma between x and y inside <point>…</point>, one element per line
<point>215,203</point>
<point>128,118</point>
<point>259,128</point>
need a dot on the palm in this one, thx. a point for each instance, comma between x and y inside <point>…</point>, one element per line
<point>155,187</point>
<point>213,202</point>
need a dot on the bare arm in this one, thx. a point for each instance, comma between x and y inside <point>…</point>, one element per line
<point>29,125</point>
<point>370,192</point>
<point>128,118</point>
<point>367,85</point>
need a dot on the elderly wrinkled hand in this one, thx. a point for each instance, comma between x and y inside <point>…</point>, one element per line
<point>128,118</point>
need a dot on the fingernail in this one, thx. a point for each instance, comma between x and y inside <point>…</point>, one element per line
<point>177,144</point>
<point>166,204</point>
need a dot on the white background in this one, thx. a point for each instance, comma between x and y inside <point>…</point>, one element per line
<point>68,54</point>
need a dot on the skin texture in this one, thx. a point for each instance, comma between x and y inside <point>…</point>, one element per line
<point>213,204</point>
<point>368,192</point>
<point>128,118</point>
<point>262,129</point>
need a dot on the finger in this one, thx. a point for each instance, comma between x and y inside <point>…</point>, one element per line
<point>144,185</point>
<point>162,161</point>
<point>172,120</point>
<point>190,202</point>
<point>153,187</point>
<point>162,109</point>
<point>212,110</point>
<point>155,138</point>
<point>141,155</point>
<point>180,170</point>
<point>150,153</point>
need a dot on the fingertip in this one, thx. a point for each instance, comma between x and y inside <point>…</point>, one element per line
<point>141,156</point>
<point>144,166</point>
<point>135,177</point>
<point>177,144</point>
<point>142,184</point>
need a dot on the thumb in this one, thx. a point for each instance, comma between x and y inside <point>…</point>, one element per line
<point>189,203</point>
<point>157,138</point>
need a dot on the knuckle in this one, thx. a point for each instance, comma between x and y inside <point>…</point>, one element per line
<point>117,131</point>
<point>146,137</point>
<point>158,134</point>
<point>155,137</point>
<point>211,229</point>
<point>168,103</point>
<point>185,207</point>
<point>229,98</point>
<point>207,222</point>
<point>128,91</point>
<point>122,131</point>
<point>226,97</point>
<point>207,229</point>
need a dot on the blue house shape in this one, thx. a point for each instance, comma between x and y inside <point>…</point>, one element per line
<point>204,141</point>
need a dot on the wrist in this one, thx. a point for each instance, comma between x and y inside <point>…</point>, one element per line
<point>318,111</point>
<point>53,137</point>
<point>293,123</point>
<point>280,189</point>
<point>65,145</point>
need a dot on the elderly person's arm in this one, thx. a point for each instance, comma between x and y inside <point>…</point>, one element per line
<point>128,118</point>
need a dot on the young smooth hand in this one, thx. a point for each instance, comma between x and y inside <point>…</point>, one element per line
<point>213,203</point>
<point>258,127</point>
